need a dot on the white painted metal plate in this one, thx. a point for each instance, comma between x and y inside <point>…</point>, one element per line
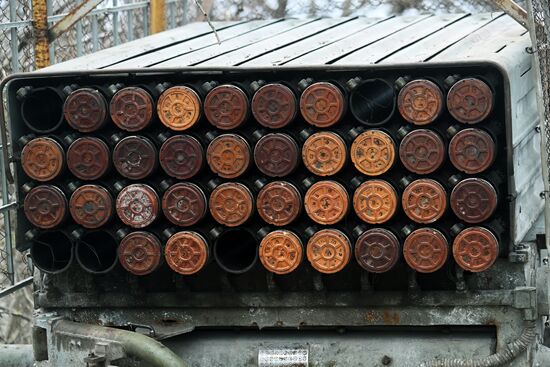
<point>283,357</point>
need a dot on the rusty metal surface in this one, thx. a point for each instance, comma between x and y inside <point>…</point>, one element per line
<point>88,158</point>
<point>426,250</point>
<point>226,107</point>
<point>135,157</point>
<point>137,205</point>
<point>281,251</point>
<point>45,206</point>
<point>474,200</point>
<point>475,249</point>
<point>274,105</point>
<point>472,150</point>
<point>42,159</point>
<point>91,206</point>
<point>324,153</point>
<point>228,155</point>
<point>131,109</point>
<point>377,250</point>
<point>424,201</point>
<point>420,102</point>
<point>139,253</point>
<point>375,201</point>
<point>179,108</point>
<point>329,251</point>
<point>470,101</point>
<point>326,202</point>
<point>181,156</point>
<point>322,104</point>
<point>373,152</point>
<point>276,154</point>
<point>279,203</point>
<point>85,110</point>
<point>231,204</point>
<point>186,252</point>
<point>422,151</point>
<point>184,204</point>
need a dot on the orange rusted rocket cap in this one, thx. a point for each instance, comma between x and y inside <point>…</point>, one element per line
<point>226,107</point>
<point>184,204</point>
<point>424,201</point>
<point>279,203</point>
<point>474,200</point>
<point>470,101</point>
<point>276,154</point>
<point>181,156</point>
<point>88,158</point>
<point>472,150</point>
<point>132,109</point>
<point>135,157</point>
<point>426,250</point>
<point>186,252</point>
<point>475,249</point>
<point>42,159</point>
<point>91,206</point>
<point>375,201</point>
<point>45,206</point>
<point>420,102</point>
<point>422,151</point>
<point>324,153</point>
<point>179,108</point>
<point>231,204</point>
<point>281,252</point>
<point>137,205</point>
<point>377,250</point>
<point>274,106</point>
<point>140,253</point>
<point>85,110</point>
<point>329,251</point>
<point>228,155</point>
<point>322,104</point>
<point>326,202</point>
<point>373,152</point>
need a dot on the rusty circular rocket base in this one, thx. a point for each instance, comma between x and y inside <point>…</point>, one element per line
<point>184,204</point>
<point>420,102</point>
<point>132,109</point>
<point>91,206</point>
<point>228,155</point>
<point>281,251</point>
<point>426,250</point>
<point>326,202</point>
<point>42,159</point>
<point>226,107</point>
<point>137,205</point>
<point>279,203</point>
<point>470,101</point>
<point>45,206</point>
<point>422,151</point>
<point>324,153</point>
<point>475,249</point>
<point>135,157</point>
<point>139,253</point>
<point>186,252</point>
<point>424,201</point>
<point>88,158</point>
<point>329,251</point>
<point>181,156</point>
<point>274,106</point>
<point>474,200</point>
<point>375,201</point>
<point>322,104</point>
<point>231,204</point>
<point>373,152</point>
<point>472,150</point>
<point>377,250</point>
<point>276,155</point>
<point>85,110</point>
<point>179,108</point>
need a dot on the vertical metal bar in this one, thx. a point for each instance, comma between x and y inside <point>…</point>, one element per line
<point>7,220</point>
<point>172,14</point>
<point>13,37</point>
<point>145,21</point>
<point>79,41</point>
<point>95,36</point>
<point>49,12</point>
<point>158,15</point>
<point>115,23</point>
<point>41,42</point>
<point>130,25</point>
<point>185,6</point>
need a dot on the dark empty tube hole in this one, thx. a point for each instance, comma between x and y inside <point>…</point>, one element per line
<point>42,111</point>
<point>373,102</point>
<point>96,252</point>
<point>52,252</point>
<point>236,250</point>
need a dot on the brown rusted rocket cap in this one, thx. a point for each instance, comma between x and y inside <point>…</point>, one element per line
<point>179,108</point>
<point>377,250</point>
<point>472,150</point>
<point>45,206</point>
<point>274,105</point>
<point>91,206</point>
<point>42,159</point>
<point>373,152</point>
<point>88,158</point>
<point>228,155</point>
<point>474,200</point>
<point>475,249</point>
<point>279,203</point>
<point>326,202</point>
<point>420,102</point>
<point>276,155</point>
<point>424,201</point>
<point>329,251</point>
<point>226,107</point>
<point>135,157</point>
<point>324,153</point>
<point>281,252</point>
<point>140,253</point>
<point>422,151</point>
<point>186,252</point>
<point>132,109</point>
<point>322,104</point>
<point>181,156</point>
<point>85,110</point>
<point>426,250</point>
<point>470,101</point>
<point>137,205</point>
<point>375,201</point>
<point>184,204</point>
<point>231,204</point>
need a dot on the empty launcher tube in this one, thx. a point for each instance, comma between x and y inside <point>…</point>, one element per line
<point>45,206</point>
<point>472,150</point>
<point>135,157</point>
<point>326,202</point>
<point>184,204</point>
<point>322,104</point>
<point>96,251</point>
<point>475,249</point>
<point>226,106</point>
<point>279,203</point>
<point>179,108</point>
<point>420,102</point>
<point>373,152</point>
<point>276,154</point>
<point>324,153</point>
<point>41,108</point>
<point>228,155</point>
<point>274,105</point>
<point>140,253</point>
<point>137,205</point>
<point>86,110</point>
<point>377,250</point>
<point>372,101</point>
<point>88,158</point>
<point>470,100</point>
<point>281,251</point>
<point>231,204</point>
<point>91,206</point>
<point>131,109</point>
<point>236,250</point>
<point>181,156</point>
<point>42,159</point>
<point>51,251</point>
<point>426,250</point>
<point>329,251</point>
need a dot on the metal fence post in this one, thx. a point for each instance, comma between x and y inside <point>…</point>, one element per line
<point>40,25</point>
<point>158,18</point>
<point>13,37</point>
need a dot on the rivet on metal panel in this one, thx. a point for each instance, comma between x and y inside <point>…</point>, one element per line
<point>475,249</point>
<point>42,159</point>
<point>422,151</point>
<point>132,109</point>
<point>179,108</point>
<point>279,203</point>
<point>426,250</point>
<point>91,206</point>
<point>88,158</point>
<point>45,206</point>
<point>326,202</point>
<point>375,201</point>
<point>377,250</point>
<point>135,157</point>
<point>424,200</point>
<point>137,205</point>
<point>226,107</point>
<point>420,102</point>
<point>140,253</point>
<point>324,153</point>
<point>470,101</point>
<point>228,155</point>
<point>276,155</point>
<point>184,204</point>
<point>186,252</point>
<point>329,251</point>
<point>181,156</point>
<point>231,204</point>
<point>472,150</point>
<point>281,252</point>
<point>373,152</point>
<point>85,110</point>
<point>322,104</point>
<point>474,200</point>
<point>274,106</point>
